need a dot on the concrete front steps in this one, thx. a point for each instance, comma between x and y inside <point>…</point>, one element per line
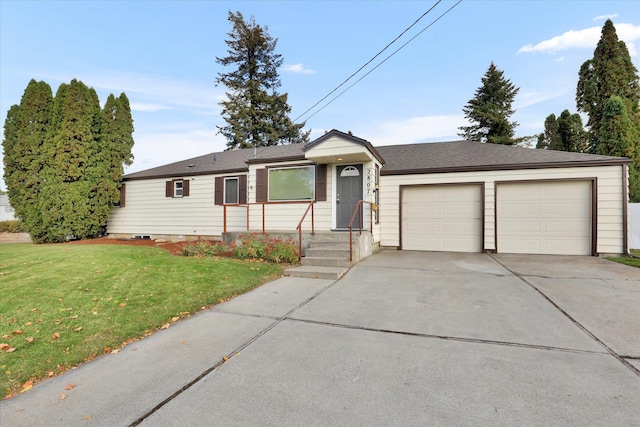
<point>327,257</point>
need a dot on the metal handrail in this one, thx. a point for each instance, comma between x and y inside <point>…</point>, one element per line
<point>357,209</point>
<point>299,227</point>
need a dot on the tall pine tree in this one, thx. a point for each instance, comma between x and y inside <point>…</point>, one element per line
<point>610,72</point>
<point>255,113</point>
<point>490,110</point>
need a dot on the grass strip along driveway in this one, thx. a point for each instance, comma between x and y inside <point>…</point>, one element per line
<point>64,304</point>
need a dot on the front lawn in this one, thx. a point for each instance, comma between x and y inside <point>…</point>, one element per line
<point>64,304</point>
<point>634,262</point>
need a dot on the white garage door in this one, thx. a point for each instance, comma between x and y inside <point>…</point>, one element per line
<point>544,218</point>
<point>442,218</point>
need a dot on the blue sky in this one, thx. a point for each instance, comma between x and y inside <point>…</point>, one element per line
<point>162,55</point>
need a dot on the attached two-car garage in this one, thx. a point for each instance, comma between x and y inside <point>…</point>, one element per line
<point>533,217</point>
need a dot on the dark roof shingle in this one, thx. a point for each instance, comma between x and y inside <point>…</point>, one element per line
<point>455,156</point>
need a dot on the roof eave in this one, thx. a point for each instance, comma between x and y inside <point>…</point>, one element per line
<point>180,175</point>
<point>482,168</point>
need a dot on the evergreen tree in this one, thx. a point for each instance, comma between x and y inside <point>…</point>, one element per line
<point>255,113</point>
<point>26,128</point>
<point>489,111</point>
<point>617,136</point>
<point>64,159</point>
<point>564,133</point>
<point>609,72</point>
<point>550,136</point>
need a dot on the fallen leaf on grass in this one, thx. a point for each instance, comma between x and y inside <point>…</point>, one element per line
<point>17,332</point>
<point>122,304</point>
<point>175,319</point>
<point>4,345</point>
<point>165,326</point>
<point>29,339</point>
<point>27,386</point>
<point>10,350</point>
<point>28,324</point>
<point>78,329</point>
<point>55,336</point>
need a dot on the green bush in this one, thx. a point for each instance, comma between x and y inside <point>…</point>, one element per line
<point>11,227</point>
<point>252,246</point>
<point>205,248</point>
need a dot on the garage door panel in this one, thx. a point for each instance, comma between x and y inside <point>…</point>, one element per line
<point>442,218</point>
<point>522,227</point>
<point>522,209</point>
<point>544,217</point>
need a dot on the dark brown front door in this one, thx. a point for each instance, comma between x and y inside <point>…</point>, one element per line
<point>349,192</point>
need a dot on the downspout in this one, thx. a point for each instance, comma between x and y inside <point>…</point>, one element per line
<point>625,213</point>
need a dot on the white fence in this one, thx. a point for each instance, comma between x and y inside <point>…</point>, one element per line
<point>634,225</point>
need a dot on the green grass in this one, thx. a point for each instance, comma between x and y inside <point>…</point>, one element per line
<point>65,304</point>
<point>634,262</point>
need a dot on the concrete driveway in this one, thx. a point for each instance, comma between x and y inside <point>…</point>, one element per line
<point>405,338</point>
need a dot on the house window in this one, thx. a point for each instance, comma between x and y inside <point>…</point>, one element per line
<point>177,188</point>
<point>292,183</point>
<point>231,191</point>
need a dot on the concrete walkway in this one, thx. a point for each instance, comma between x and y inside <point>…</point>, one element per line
<point>405,338</point>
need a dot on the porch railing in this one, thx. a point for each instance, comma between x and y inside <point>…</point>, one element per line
<point>299,228</point>
<point>358,210</point>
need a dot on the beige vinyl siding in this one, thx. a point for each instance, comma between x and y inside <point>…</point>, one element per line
<point>286,216</point>
<point>338,147</point>
<point>609,199</point>
<point>149,212</point>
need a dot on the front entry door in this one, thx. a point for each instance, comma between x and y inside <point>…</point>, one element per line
<point>349,192</point>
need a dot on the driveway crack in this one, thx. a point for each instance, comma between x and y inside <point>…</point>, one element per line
<point>225,358</point>
<point>620,358</point>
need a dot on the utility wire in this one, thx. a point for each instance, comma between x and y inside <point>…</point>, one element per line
<point>379,64</point>
<point>368,62</point>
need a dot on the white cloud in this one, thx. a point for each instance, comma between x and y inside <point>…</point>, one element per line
<point>603,17</point>
<point>583,39</point>
<point>141,106</point>
<point>531,97</point>
<point>298,69</point>
<point>153,149</point>
<point>414,130</point>
<point>150,92</point>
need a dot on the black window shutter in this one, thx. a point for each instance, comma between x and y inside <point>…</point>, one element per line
<point>123,195</point>
<point>185,188</point>
<point>168,189</point>
<point>261,185</point>
<point>218,190</point>
<point>242,189</point>
<point>321,183</point>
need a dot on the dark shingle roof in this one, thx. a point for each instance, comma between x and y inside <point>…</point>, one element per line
<point>222,162</point>
<point>454,156</point>
<point>462,156</point>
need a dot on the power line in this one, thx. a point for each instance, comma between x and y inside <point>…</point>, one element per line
<point>369,61</point>
<point>379,64</point>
